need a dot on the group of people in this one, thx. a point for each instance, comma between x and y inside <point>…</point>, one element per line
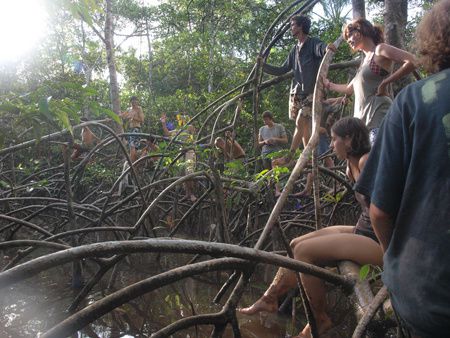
<point>398,155</point>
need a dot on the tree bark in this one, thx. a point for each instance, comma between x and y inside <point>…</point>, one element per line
<point>359,9</point>
<point>150,58</point>
<point>395,18</point>
<point>109,45</point>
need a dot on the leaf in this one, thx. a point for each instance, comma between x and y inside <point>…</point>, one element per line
<point>44,105</point>
<point>364,271</point>
<point>261,174</point>
<point>113,116</point>
<point>63,119</point>
<point>4,184</point>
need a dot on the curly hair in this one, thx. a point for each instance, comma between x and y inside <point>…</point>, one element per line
<point>433,38</point>
<point>357,130</point>
<point>364,26</point>
<point>302,21</point>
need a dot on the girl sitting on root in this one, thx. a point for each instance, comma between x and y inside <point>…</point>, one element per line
<point>350,141</point>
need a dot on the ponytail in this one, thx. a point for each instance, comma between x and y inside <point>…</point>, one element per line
<point>378,35</point>
<point>375,32</point>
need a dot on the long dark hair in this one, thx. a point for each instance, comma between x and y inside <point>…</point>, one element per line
<point>357,130</point>
<point>364,26</point>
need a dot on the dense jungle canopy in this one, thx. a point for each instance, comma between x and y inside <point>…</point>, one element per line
<point>88,239</point>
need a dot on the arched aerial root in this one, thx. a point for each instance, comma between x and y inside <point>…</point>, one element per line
<point>103,249</point>
<point>101,307</point>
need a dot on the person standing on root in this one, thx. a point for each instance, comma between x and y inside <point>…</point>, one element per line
<point>134,119</point>
<point>271,138</point>
<point>408,179</point>
<point>370,83</point>
<point>304,59</point>
<point>350,141</point>
<point>190,157</point>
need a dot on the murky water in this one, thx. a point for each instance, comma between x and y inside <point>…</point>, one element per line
<point>34,306</point>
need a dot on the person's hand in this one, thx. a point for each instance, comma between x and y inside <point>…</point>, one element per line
<point>382,89</point>
<point>331,47</point>
<point>326,83</point>
<point>163,118</point>
<point>270,141</point>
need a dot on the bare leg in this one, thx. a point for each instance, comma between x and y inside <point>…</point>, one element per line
<point>322,250</point>
<point>298,134</point>
<point>305,124</point>
<point>308,186</point>
<point>285,279</point>
<point>133,154</point>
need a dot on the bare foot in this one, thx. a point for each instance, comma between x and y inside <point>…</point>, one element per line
<point>265,303</point>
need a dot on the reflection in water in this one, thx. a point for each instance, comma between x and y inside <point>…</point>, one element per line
<point>35,305</point>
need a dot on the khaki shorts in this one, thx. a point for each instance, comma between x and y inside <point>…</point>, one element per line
<point>300,105</point>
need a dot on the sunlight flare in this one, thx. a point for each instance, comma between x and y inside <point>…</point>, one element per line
<point>22,25</point>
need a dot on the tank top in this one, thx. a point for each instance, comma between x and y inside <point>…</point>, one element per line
<point>369,107</point>
<point>363,225</point>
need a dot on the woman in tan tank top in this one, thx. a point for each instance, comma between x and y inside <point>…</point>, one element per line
<point>370,84</point>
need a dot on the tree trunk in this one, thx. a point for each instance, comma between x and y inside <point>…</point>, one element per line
<point>359,9</point>
<point>150,59</point>
<point>109,45</point>
<point>212,42</point>
<point>395,18</point>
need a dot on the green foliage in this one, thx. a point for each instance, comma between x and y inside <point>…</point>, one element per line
<point>369,271</point>
<point>99,172</point>
<point>333,199</point>
<point>236,168</point>
<point>53,106</point>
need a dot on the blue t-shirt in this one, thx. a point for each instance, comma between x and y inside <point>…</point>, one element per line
<point>407,176</point>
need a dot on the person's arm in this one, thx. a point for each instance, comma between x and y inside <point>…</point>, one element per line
<point>281,140</point>
<point>382,224</point>
<point>332,101</point>
<point>285,67</point>
<point>261,142</point>
<point>398,56</point>
<point>346,89</point>
<point>320,48</point>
